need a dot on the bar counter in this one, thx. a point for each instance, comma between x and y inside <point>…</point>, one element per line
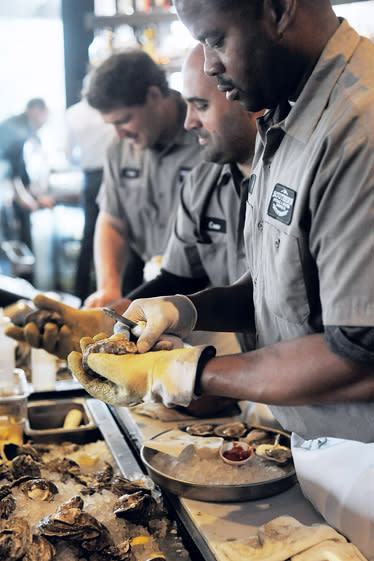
<point>207,523</point>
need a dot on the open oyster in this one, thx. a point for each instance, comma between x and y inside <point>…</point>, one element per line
<point>258,436</point>
<point>200,429</point>
<point>231,430</point>
<point>39,489</point>
<point>277,453</point>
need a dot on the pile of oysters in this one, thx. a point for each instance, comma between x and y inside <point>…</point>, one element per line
<point>21,469</point>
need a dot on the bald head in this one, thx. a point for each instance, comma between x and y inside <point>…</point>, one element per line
<point>226,132</point>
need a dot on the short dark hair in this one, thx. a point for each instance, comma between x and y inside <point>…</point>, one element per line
<point>123,79</point>
<point>254,7</point>
<point>36,102</point>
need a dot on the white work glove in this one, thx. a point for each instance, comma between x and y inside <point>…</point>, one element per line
<point>128,379</point>
<point>174,315</point>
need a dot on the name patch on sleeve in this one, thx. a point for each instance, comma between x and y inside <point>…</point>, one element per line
<point>214,225</point>
<point>130,173</point>
<point>282,203</point>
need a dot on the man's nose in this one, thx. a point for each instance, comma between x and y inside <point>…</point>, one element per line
<point>191,121</point>
<point>120,131</point>
<point>212,63</point>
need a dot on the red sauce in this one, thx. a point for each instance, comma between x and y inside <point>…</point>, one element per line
<point>237,453</point>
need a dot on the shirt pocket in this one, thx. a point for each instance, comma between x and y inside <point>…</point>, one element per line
<point>284,283</point>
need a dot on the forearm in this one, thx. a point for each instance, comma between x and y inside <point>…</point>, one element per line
<point>110,252</point>
<point>296,372</point>
<point>235,308</point>
<point>23,196</point>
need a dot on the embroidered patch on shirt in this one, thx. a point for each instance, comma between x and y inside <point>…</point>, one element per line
<point>130,173</point>
<point>282,203</point>
<point>183,172</point>
<point>251,183</point>
<point>214,225</point>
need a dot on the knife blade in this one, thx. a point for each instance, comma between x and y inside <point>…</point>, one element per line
<point>116,316</point>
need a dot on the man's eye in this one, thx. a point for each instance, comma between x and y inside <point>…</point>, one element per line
<point>202,106</point>
<point>214,42</point>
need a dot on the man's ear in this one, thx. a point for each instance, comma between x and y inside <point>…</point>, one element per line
<point>279,14</point>
<point>154,94</point>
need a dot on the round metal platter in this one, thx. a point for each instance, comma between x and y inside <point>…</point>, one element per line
<point>220,492</point>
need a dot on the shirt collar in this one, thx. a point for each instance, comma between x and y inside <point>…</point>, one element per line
<point>306,112</point>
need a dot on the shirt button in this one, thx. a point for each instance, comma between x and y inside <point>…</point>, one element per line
<point>277,243</point>
<point>260,225</point>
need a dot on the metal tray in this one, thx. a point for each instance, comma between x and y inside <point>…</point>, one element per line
<point>100,425</point>
<point>218,492</point>
<point>44,422</point>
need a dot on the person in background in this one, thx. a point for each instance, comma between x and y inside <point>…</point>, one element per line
<point>144,169</point>
<point>206,246</point>
<point>308,233</point>
<point>15,132</point>
<point>86,141</point>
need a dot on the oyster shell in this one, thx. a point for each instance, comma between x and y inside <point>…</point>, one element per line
<point>7,506</point>
<point>62,465</point>
<point>72,523</point>
<point>40,550</point>
<point>257,436</point>
<point>122,486</point>
<point>12,450</point>
<point>15,539</point>
<point>39,489</point>
<point>277,453</point>
<point>5,472</point>
<point>231,430</point>
<point>201,429</point>
<point>25,465</point>
<point>119,552</point>
<point>135,507</point>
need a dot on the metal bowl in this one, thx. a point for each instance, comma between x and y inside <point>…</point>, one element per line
<point>218,492</point>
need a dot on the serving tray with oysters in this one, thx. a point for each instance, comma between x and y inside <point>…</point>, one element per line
<point>221,462</point>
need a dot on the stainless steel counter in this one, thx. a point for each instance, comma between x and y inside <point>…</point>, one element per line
<point>210,523</point>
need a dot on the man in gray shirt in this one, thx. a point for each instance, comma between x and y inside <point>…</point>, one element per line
<point>144,168</point>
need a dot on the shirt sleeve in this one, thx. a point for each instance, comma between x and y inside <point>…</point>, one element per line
<point>166,284</point>
<point>342,232</point>
<point>351,343</point>
<point>181,256</point>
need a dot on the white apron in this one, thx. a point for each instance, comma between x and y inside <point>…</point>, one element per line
<point>337,476</point>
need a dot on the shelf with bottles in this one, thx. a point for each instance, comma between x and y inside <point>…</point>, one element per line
<point>136,13</point>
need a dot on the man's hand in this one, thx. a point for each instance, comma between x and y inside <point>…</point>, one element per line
<point>166,314</point>
<point>58,328</point>
<point>102,298</point>
<point>127,379</point>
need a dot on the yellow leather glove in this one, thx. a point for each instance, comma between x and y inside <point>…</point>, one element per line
<point>128,379</point>
<point>58,328</point>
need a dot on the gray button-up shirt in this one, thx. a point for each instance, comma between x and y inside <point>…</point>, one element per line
<point>207,240</point>
<point>309,230</point>
<point>142,189</point>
